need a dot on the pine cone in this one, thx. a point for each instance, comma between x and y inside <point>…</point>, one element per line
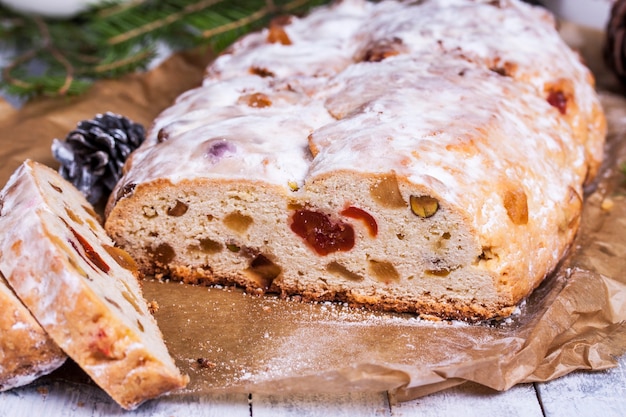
<point>615,46</point>
<point>93,154</point>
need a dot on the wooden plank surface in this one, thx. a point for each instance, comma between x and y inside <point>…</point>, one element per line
<point>473,400</point>
<point>586,394</point>
<point>579,394</point>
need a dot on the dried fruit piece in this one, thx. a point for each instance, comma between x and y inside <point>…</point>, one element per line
<point>209,246</point>
<point>238,222</point>
<point>386,192</point>
<point>516,205</point>
<point>73,216</point>
<point>162,135</point>
<point>423,205</point>
<point>384,271</point>
<point>383,49</point>
<point>128,296</point>
<point>438,272</point>
<point>56,188</point>
<point>89,210</point>
<point>320,233</point>
<point>336,268</point>
<point>218,148</point>
<point>178,210</point>
<point>261,72</point>
<point>122,257</point>
<point>559,94</point>
<point>162,254</point>
<point>572,208</point>
<point>258,100</point>
<point>113,303</point>
<point>263,270</point>
<point>365,217</point>
<point>233,248</point>
<point>557,99</point>
<point>90,253</point>
<point>124,191</point>
<point>277,34</point>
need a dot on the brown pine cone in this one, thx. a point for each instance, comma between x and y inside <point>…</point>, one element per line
<point>615,45</point>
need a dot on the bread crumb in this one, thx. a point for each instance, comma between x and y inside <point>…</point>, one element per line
<point>153,306</point>
<point>205,363</point>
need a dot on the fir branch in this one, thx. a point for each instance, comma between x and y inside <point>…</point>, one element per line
<point>158,24</point>
<point>118,38</point>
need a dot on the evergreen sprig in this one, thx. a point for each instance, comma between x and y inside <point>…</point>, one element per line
<point>117,38</point>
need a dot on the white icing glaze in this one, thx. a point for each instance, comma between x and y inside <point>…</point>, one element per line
<point>441,34</point>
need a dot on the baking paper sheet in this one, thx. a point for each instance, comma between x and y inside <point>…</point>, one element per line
<point>227,340</point>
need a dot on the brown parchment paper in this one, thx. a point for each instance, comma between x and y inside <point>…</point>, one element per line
<point>227,340</point>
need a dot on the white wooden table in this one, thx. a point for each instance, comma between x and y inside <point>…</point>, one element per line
<point>578,394</point>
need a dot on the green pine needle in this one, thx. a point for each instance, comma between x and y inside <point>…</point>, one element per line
<point>118,38</point>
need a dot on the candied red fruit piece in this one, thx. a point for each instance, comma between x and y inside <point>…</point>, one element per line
<point>559,100</point>
<point>365,217</point>
<point>90,252</point>
<point>321,233</point>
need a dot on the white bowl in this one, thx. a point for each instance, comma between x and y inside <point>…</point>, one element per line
<point>591,13</point>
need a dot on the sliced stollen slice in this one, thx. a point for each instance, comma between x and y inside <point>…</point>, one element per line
<point>80,287</point>
<point>26,350</point>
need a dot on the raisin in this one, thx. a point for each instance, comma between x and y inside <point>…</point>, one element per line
<point>163,254</point>
<point>56,187</point>
<point>264,271</point>
<point>383,49</point>
<point>261,72</point>
<point>113,302</point>
<point>320,233</point>
<point>207,245</point>
<point>125,191</point>
<point>162,135</point>
<point>365,217</point>
<point>178,210</point>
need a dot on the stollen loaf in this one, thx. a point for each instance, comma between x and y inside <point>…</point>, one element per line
<point>26,350</point>
<point>424,157</point>
<point>80,287</point>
